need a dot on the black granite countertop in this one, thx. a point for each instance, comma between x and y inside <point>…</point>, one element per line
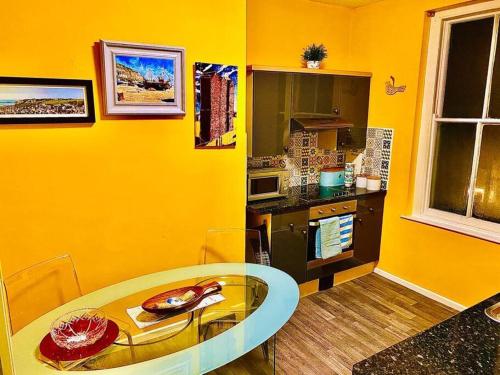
<point>467,343</point>
<point>305,196</point>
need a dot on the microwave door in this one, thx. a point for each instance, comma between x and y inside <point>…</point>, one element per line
<point>264,187</point>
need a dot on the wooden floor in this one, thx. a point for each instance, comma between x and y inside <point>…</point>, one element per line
<point>334,329</point>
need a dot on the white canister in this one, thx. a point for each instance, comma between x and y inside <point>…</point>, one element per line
<point>361,181</point>
<point>373,183</point>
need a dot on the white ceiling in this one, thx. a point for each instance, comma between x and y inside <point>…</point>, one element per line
<point>347,3</point>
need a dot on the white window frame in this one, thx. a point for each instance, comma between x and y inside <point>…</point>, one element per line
<point>437,60</point>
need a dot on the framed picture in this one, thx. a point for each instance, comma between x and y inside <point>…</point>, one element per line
<point>45,101</point>
<point>215,105</point>
<point>142,79</point>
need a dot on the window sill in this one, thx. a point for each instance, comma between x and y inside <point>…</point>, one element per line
<point>455,227</point>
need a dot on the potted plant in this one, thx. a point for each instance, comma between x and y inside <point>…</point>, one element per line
<point>314,54</point>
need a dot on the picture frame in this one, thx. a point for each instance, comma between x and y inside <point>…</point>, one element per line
<point>26,100</point>
<point>143,79</point>
<point>216,99</point>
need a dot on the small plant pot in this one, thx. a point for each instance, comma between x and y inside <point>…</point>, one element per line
<point>313,64</point>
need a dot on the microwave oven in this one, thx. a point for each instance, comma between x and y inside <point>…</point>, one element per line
<point>267,183</point>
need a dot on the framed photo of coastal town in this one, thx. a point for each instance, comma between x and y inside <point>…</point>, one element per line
<point>142,79</point>
<point>45,101</point>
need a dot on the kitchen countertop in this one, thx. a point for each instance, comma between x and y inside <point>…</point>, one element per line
<point>305,196</point>
<point>467,343</point>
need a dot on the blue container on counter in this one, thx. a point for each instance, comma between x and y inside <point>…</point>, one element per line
<point>331,177</point>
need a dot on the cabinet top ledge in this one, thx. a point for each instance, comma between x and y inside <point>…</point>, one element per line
<point>266,68</point>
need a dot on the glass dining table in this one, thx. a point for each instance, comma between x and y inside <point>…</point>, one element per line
<point>236,332</point>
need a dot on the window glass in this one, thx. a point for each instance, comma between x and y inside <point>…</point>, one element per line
<point>452,167</point>
<point>487,192</point>
<point>468,60</point>
<point>494,111</point>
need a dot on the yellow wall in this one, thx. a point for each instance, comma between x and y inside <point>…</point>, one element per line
<point>278,30</point>
<point>126,196</point>
<point>387,39</point>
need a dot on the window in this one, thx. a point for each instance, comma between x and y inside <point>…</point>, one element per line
<point>457,184</point>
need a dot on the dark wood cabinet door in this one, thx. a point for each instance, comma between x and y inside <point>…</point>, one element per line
<point>289,244</point>
<point>368,229</point>
<point>312,95</point>
<point>352,96</point>
<point>271,113</point>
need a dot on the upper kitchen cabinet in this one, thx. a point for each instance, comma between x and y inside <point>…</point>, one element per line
<point>313,95</point>
<point>351,98</point>
<point>270,123</point>
<point>281,100</point>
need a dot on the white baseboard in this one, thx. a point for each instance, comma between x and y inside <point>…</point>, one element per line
<point>420,290</point>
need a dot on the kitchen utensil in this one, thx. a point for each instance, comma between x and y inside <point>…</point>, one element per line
<point>331,177</point>
<point>373,183</point>
<point>361,181</point>
<point>349,174</point>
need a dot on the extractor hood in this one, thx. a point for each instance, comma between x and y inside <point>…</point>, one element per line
<point>320,123</point>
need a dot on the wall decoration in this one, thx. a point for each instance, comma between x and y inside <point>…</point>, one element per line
<point>142,79</point>
<point>215,105</point>
<point>45,100</point>
<point>392,89</point>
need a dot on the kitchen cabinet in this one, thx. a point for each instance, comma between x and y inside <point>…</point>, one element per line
<point>270,130</point>
<point>277,96</point>
<point>293,232</point>
<point>368,228</point>
<point>289,243</point>
<point>312,95</point>
<point>352,96</point>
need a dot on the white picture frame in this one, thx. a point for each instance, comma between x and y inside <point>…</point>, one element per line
<point>143,79</point>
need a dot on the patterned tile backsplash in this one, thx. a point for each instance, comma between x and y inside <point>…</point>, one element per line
<point>377,155</point>
<point>305,160</point>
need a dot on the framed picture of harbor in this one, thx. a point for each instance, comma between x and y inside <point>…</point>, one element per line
<point>215,105</point>
<point>142,79</point>
<point>45,101</point>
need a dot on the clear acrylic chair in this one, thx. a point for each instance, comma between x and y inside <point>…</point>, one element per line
<point>222,246</point>
<point>6,366</point>
<point>39,289</point>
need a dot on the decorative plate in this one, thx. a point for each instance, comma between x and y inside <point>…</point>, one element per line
<point>180,299</point>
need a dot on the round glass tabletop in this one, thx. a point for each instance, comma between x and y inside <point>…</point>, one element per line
<point>254,303</point>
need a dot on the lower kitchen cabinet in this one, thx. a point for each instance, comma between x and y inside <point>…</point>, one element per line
<point>368,228</point>
<point>289,244</point>
<point>293,240</point>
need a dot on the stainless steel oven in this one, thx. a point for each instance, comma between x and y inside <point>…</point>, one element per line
<point>322,212</point>
<point>267,183</point>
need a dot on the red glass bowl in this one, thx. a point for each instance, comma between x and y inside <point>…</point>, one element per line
<point>78,328</point>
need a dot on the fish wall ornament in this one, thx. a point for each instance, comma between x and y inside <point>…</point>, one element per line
<point>392,89</point>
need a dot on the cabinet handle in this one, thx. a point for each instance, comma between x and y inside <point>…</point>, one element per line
<point>345,207</point>
<point>321,212</point>
<point>333,209</point>
<point>304,232</point>
<point>371,209</point>
<point>359,220</point>
<point>292,227</point>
